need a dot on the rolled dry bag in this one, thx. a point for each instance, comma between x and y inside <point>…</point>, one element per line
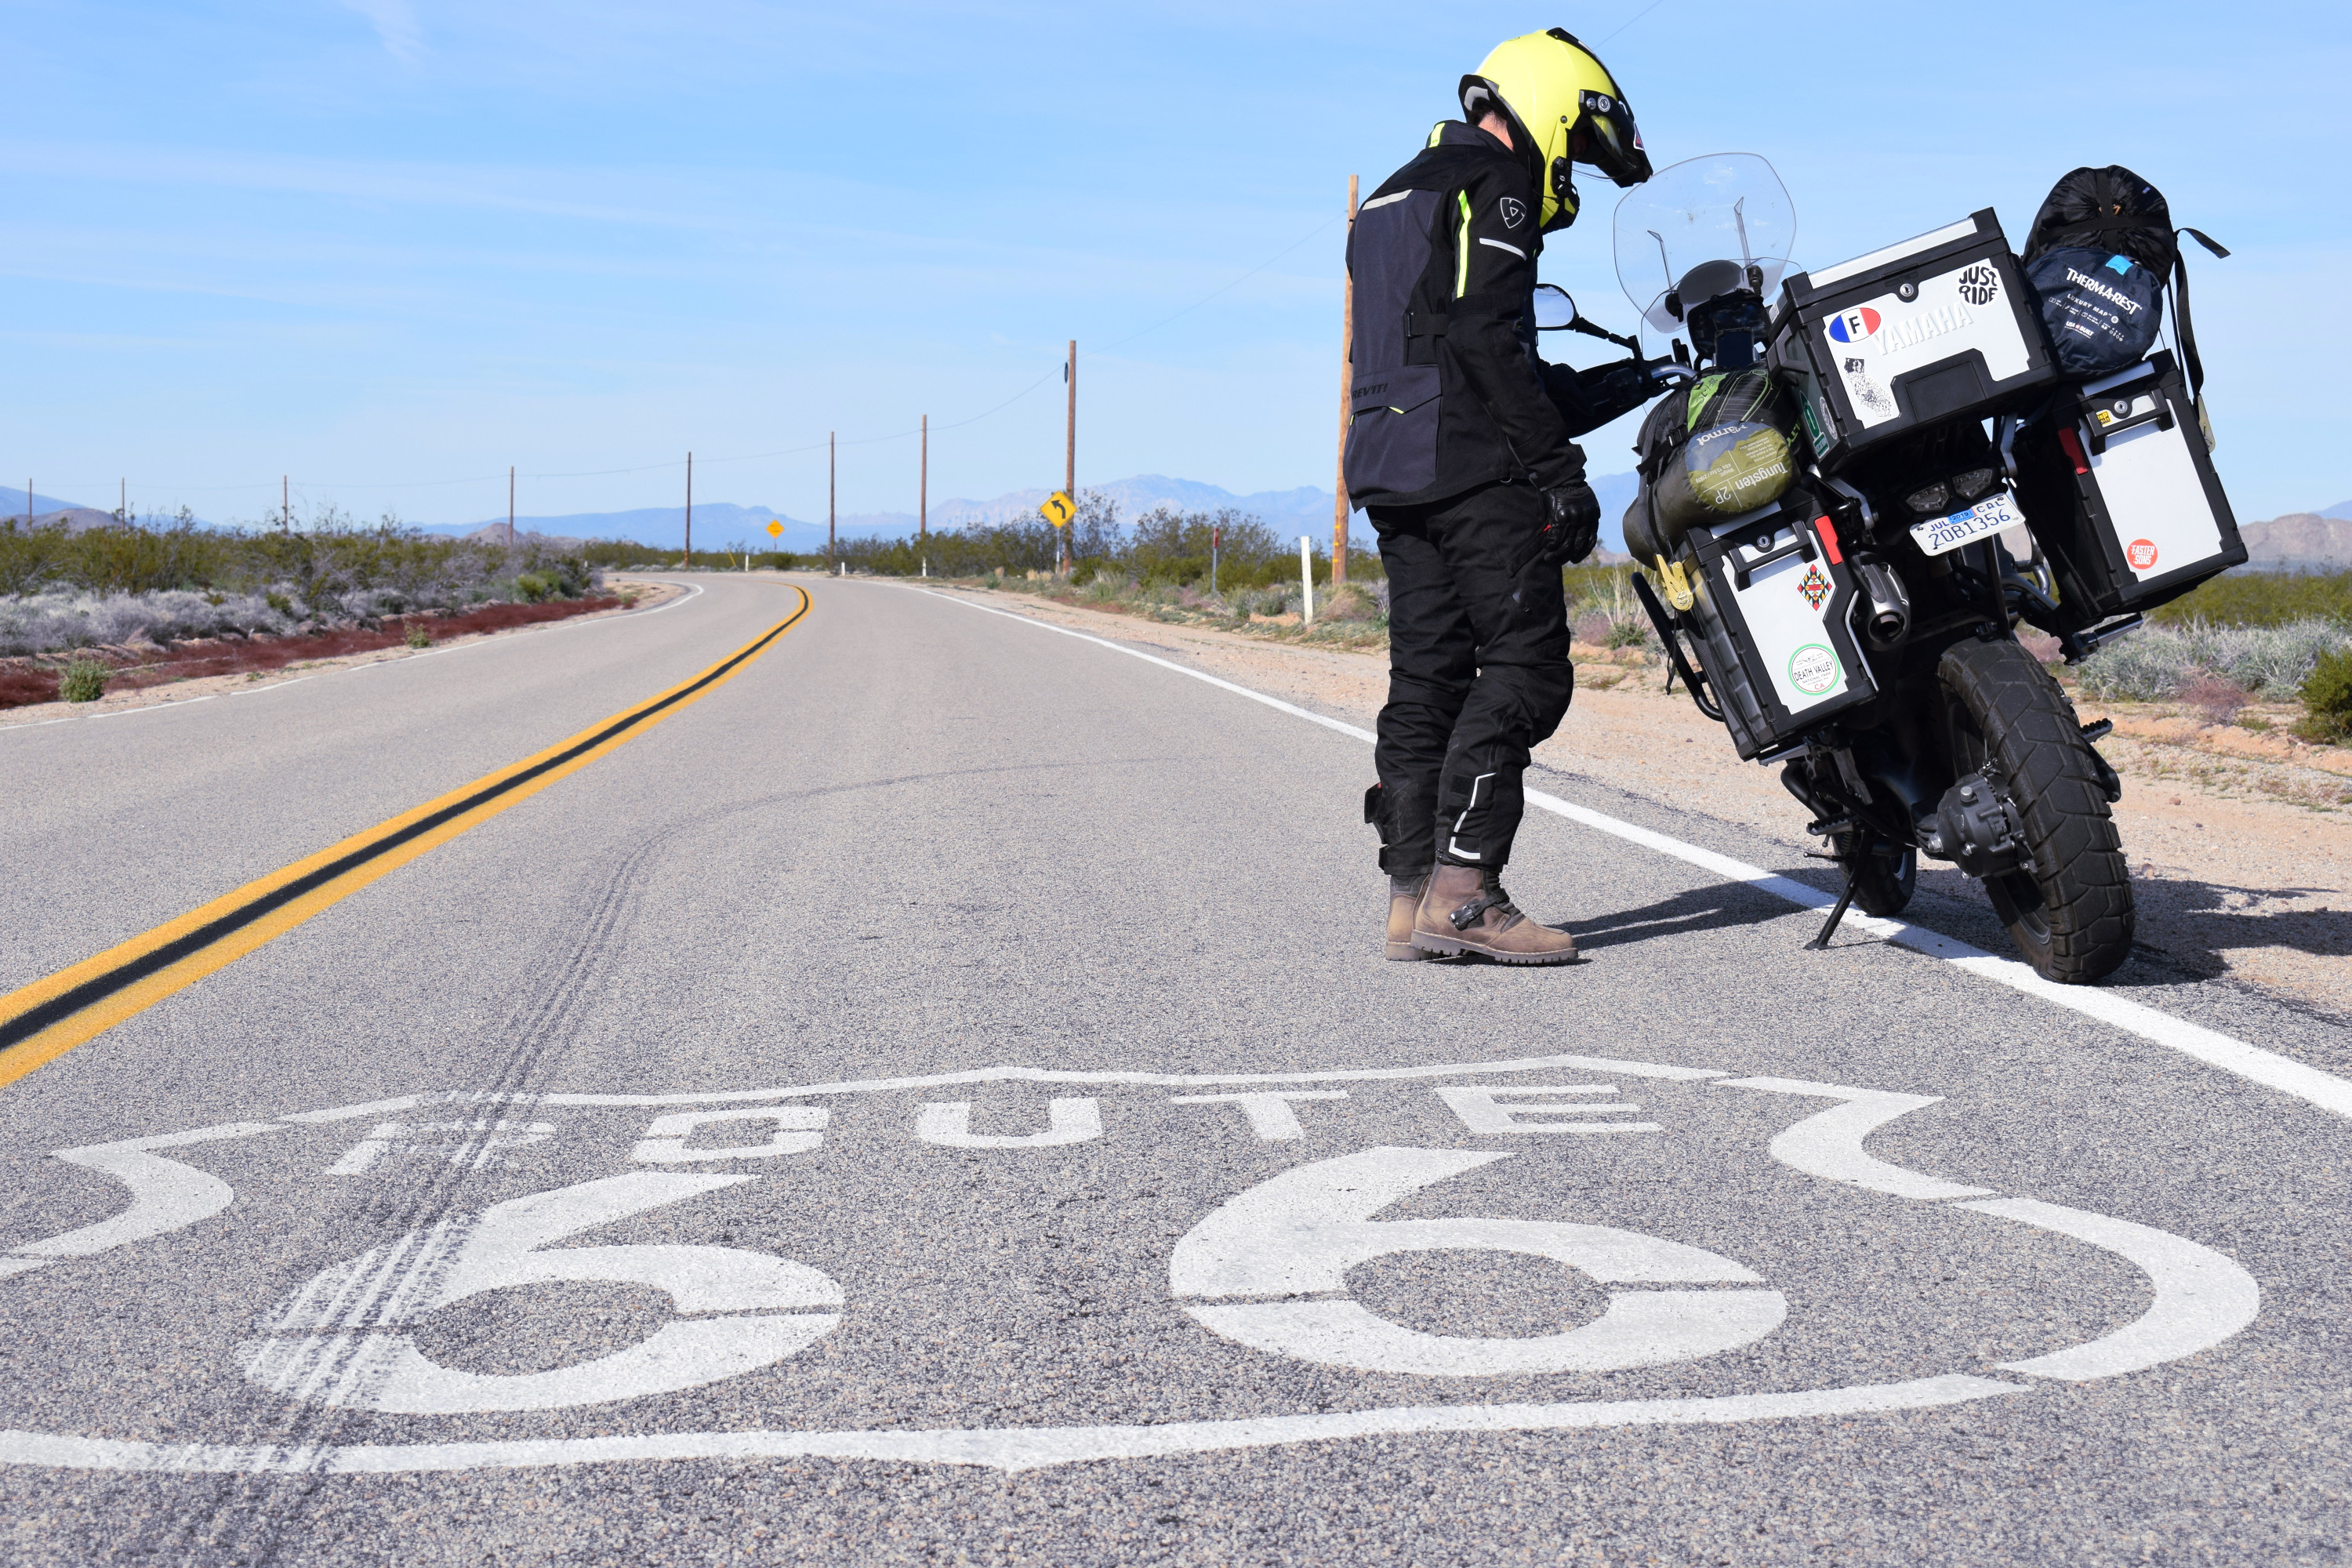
<point>1722,472</point>
<point>1719,450</point>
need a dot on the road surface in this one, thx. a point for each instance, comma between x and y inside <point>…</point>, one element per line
<point>825,1072</point>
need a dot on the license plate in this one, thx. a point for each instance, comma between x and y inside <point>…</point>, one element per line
<point>1990,515</point>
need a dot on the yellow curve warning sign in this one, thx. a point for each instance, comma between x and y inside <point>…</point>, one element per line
<point>1059,509</point>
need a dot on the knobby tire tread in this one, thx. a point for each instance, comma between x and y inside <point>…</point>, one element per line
<point>2034,736</point>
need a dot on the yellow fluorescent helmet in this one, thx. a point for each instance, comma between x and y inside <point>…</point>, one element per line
<point>1563,107</point>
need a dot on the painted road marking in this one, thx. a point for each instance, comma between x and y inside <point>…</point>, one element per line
<point>2208,1046</point>
<point>49,1017</point>
<point>1300,1233</point>
<point>1263,1271</point>
<point>326,1345</point>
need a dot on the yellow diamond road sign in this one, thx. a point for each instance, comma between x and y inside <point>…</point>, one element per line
<point>775,530</point>
<point>1059,509</point>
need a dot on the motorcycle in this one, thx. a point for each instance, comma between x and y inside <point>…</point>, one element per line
<point>1859,626</point>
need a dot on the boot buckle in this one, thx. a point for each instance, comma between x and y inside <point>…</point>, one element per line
<point>1469,914</point>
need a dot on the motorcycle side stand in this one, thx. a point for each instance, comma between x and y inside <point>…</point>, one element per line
<point>1837,912</point>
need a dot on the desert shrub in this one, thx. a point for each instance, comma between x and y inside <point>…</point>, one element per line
<point>2262,599</point>
<point>418,636</point>
<point>2326,695</point>
<point>42,623</point>
<point>170,579</point>
<point>83,681</point>
<point>2215,699</point>
<point>2157,661</point>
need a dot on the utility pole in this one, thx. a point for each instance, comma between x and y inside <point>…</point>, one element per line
<point>510,506</point>
<point>923,502</point>
<point>689,508</point>
<point>1070,449</point>
<point>285,504</point>
<point>830,472</point>
<point>1347,395</point>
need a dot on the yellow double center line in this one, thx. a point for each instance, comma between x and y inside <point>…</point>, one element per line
<point>51,1016</point>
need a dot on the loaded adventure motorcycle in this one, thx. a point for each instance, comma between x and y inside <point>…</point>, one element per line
<point>1850,500</point>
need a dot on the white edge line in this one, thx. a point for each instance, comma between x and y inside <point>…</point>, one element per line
<point>2213,1048</point>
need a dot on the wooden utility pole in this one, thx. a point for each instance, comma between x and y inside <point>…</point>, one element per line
<point>1347,395</point>
<point>1070,450</point>
<point>923,501</point>
<point>689,508</point>
<point>829,473</point>
<point>510,506</point>
<point>285,504</point>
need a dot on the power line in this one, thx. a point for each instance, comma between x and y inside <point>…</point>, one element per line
<point>1636,16</point>
<point>790,451</point>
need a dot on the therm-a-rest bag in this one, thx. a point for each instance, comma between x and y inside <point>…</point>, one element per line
<point>2101,308</point>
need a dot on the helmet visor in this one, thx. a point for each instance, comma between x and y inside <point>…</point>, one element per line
<point>1606,138</point>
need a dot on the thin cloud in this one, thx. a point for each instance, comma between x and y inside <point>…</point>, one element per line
<point>395,24</point>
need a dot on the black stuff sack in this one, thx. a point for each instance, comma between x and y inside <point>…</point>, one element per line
<point>2101,308</point>
<point>2110,216</point>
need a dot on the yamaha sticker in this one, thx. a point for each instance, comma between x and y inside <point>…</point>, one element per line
<point>1953,312</point>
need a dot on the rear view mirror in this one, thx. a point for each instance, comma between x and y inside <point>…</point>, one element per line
<point>1555,310</point>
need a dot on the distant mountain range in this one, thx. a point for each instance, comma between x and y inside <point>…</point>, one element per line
<point>719,523</point>
<point>2302,542</point>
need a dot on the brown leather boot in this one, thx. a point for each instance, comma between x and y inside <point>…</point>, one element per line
<point>1467,911</point>
<point>1405,903</point>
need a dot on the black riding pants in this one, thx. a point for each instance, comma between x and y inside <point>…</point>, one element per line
<point>1478,674</point>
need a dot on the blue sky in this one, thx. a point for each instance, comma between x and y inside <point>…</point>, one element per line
<point>392,247</point>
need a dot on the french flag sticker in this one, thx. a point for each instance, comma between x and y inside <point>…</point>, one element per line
<point>1853,325</point>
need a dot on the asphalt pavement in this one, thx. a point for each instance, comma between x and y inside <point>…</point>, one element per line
<point>938,1096</point>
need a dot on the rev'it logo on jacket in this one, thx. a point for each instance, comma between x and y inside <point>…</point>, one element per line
<point>1854,325</point>
<point>1515,212</point>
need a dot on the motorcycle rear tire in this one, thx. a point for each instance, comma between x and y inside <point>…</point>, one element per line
<point>2069,908</point>
<point>1884,878</point>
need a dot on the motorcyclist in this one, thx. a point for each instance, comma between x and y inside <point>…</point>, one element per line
<point>1459,444</point>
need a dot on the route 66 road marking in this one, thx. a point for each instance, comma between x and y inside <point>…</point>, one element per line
<point>1264,1272</point>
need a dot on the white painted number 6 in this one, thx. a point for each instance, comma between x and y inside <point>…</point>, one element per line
<point>1300,1233</point>
<point>325,1345</point>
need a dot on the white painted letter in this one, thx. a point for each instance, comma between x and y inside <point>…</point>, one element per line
<point>797,1133</point>
<point>949,1123</point>
<point>1270,1115</point>
<point>1482,1110</point>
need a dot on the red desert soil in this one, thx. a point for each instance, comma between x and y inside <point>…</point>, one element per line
<point>143,677</point>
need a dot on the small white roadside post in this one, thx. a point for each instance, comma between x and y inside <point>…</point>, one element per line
<point>1306,579</point>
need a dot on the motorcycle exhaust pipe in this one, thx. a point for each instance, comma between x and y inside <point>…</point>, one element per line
<point>1890,602</point>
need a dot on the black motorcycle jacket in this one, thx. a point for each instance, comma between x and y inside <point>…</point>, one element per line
<point>1447,393</point>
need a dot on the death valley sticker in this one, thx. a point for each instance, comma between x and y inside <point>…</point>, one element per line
<point>1813,669</point>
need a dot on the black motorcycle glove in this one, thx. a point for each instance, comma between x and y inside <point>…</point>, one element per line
<point>1573,523</point>
<point>1614,390</point>
<point>1587,399</point>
